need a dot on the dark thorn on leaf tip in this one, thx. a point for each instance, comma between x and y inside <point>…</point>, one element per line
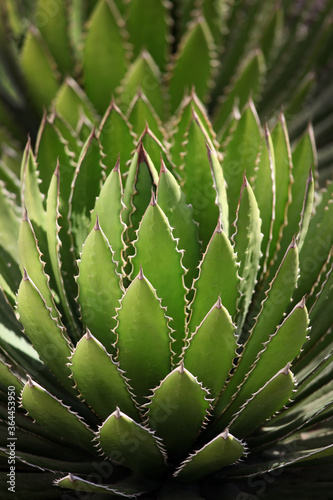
<point>245,181</point>
<point>97,227</point>
<point>181,367</point>
<point>153,199</point>
<point>163,167</point>
<point>225,433</point>
<point>88,335</point>
<point>140,275</point>
<point>30,382</point>
<point>219,225</point>
<point>116,168</point>
<point>25,214</point>
<point>117,413</point>
<point>219,303</point>
<point>293,242</point>
<point>25,275</point>
<point>286,369</point>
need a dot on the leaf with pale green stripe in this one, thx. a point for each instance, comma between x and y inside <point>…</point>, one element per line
<point>276,393</point>
<point>145,75</point>
<point>38,70</point>
<point>105,55</point>
<point>281,348</point>
<point>108,208</point>
<point>85,189</point>
<point>71,102</point>
<point>53,25</point>
<point>72,482</point>
<point>237,160</point>
<point>272,310</point>
<point>157,252</point>
<point>99,379</point>
<point>142,323</point>
<point>196,45</point>
<point>116,137</point>
<point>247,83</point>
<point>99,286</point>
<point>247,246</point>
<point>31,261</point>
<point>199,183</point>
<point>148,459</point>
<point>186,406</point>
<point>172,201</point>
<point>148,24</point>
<point>212,344</point>
<point>55,417</point>
<point>141,113</point>
<point>222,451</point>
<point>217,277</point>
<point>44,332</point>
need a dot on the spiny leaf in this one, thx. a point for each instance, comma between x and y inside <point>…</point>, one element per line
<point>157,252</point>
<point>223,450</point>
<point>148,460</point>
<point>212,344</point>
<point>70,102</point>
<point>99,286</point>
<point>99,379</point>
<point>187,406</point>
<point>105,39</point>
<point>141,113</point>
<point>142,323</point>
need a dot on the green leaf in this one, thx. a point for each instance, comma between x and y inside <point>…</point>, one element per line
<point>282,347</point>
<point>143,341</point>
<point>116,137</point>
<point>45,333</point>
<point>108,208</point>
<point>53,25</point>
<point>99,286</point>
<point>199,183</point>
<point>264,403</point>
<point>186,406</point>
<point>79,484</point>
<point>104,55</point>
<point>307,211</point>
<point>141,113</point>
<point>246,84</point>
<point>212,344</point>
<point>148,25</point>
<point>247,240</point>
<point>38,70</point>
<point>196,45</point>
<point>56,418</point>
<point>240,156</point>
<point>272,310</point>
<point>217,278</point>
<point>31,261</point>
<point>172,201</point>
<point>222,451</point>
<point>85,189</point>
<point>99,379</point>
<point>145,75</point>
<point>71,102</point>
<point>148,459</point>
<point>8,379</point>
<point>10,225</point>
<point>157,252</point>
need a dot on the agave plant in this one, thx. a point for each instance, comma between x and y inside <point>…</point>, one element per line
<point>276,52</point>
<point>167,296</point>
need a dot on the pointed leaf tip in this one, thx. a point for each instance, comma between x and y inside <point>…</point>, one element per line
<point>163,167</point>
<point>286,369</point>
<point>218,304</point>
<point>293,242</point>
<point>30,382</point>
<point>219,225</point>
<point>140,275</point>
<point>142,158</point>
<point>225,434</point>
<point>88,334</point>
<point>25,275</point>
<point>116,168</point>
<point>97,227</point>
<point>153,199</point>
<point>71,478</point>
<point>181,367</point>
<point>25,214</point>
<point>245,181</point>
<point>117,413</point>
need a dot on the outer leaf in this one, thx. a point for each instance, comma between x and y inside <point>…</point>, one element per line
<point>108,208</point>
<point>218,277</point>
<point>140,451</point>
<point>196,45</point>
<point>186,407</point>
<point>223,450</point>
<point>105,55</point>
<point>264,403</point>
<point>44,332</point>
<point>85,189</point>
<point>212,344</point>
<point>247,239</point>
<point>97,376</point>
<point>172,201</point>
<point>143,337</point>
<point>56,418</point>
<point>99,286</point>
<point>10,226</point>
<point>52,23</point>
<point>76,483</point>
<point>39,70</point>
<point>152,31</point>
<point>7,379</point>
<point>157,253</point>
